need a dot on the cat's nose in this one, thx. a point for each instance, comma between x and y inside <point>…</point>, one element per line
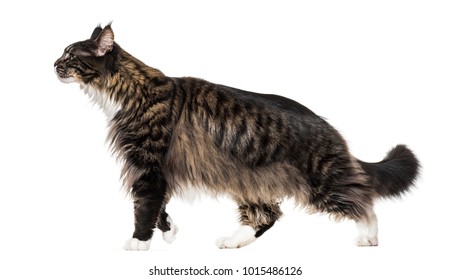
<point>57,62</point>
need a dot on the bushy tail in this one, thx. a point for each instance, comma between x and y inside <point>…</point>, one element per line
<point>395,174</point>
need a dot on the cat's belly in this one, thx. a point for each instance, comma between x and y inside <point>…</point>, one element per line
<point>194,164</point>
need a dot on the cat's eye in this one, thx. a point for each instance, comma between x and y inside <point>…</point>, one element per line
<point>69,56</point>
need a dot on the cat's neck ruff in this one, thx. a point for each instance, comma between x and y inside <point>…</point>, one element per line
<point>103,100</point>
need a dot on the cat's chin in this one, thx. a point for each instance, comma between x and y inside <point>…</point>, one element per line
<point>67,80</point>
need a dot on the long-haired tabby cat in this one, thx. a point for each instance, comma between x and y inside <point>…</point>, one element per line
<point>175,134</point>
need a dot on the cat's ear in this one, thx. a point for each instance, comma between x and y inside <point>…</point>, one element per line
<point>104,41</point>
<point>96,32</point>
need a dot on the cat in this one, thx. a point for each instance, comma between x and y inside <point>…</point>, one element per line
<point>179,134</point>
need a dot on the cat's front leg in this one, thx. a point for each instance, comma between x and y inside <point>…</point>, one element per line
<point>167,226</point>
<point>149,194</point>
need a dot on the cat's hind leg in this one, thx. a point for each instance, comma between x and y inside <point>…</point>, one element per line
<point>255,219</point>
<point>367,228</point>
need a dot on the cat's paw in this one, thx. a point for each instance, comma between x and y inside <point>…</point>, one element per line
<point>228,242</point>
<point>134,244</point>
<point>169,236</point>
<point>240,238</point>
<point>364,241</point>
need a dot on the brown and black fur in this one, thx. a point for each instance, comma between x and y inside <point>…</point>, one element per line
<point>178,133</point>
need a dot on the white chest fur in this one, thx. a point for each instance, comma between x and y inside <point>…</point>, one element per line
<point>103,100</point>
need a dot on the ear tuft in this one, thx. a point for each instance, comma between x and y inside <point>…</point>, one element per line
<point>104,41</point>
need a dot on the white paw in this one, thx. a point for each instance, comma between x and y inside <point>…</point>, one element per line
<point>134,244</point>
<point>366,241</point>
<point>367,230</point>
<point>240,238</point>
<point>169,236</point>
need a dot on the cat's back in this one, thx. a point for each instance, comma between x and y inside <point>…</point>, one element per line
<point>207,94</point>
<point>269,101</point>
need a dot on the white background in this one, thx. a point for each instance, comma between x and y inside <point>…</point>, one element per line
<point>379,71</point>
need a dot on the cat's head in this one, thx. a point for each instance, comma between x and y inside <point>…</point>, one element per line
<point>87,62</point>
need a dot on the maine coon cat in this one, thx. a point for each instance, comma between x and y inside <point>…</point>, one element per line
<point>174,134</point>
